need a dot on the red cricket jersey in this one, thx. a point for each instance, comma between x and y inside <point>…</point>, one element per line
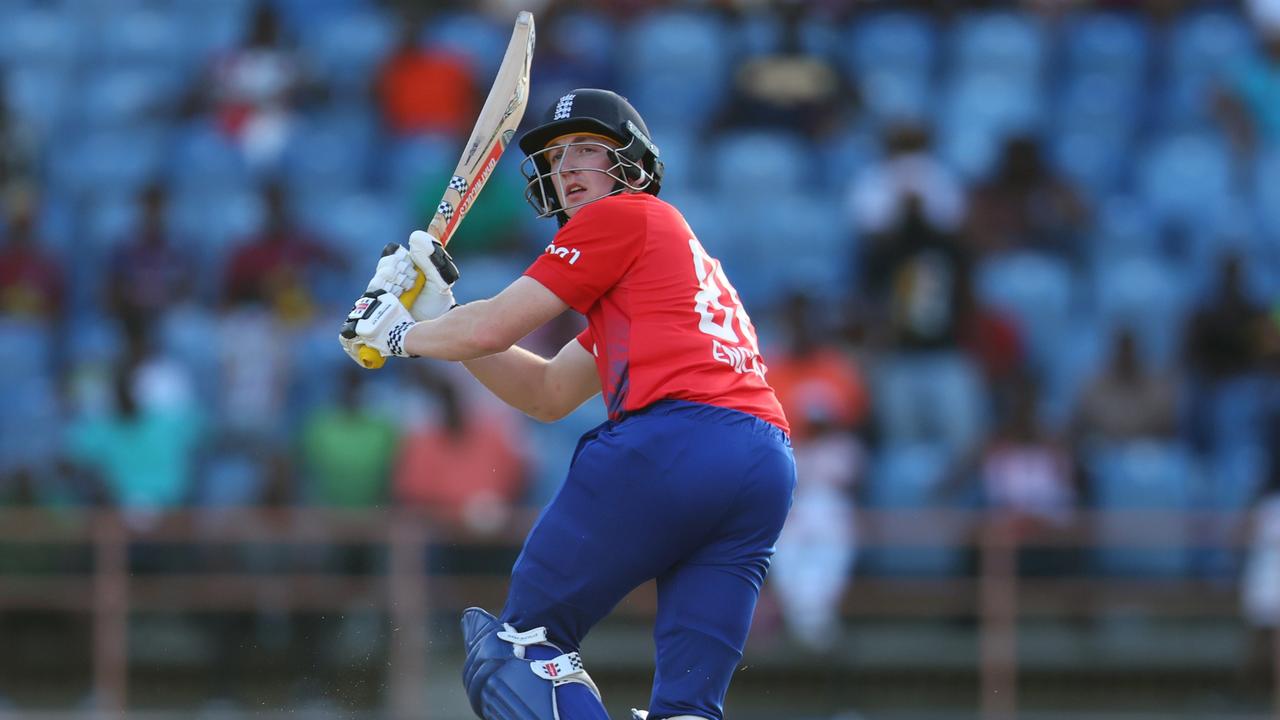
<point>663,322</point>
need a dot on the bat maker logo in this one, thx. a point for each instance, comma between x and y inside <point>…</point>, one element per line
<point>474,192</point>
<point>564,252</point>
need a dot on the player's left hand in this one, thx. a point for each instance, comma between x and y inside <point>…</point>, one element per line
<point>381,322</point>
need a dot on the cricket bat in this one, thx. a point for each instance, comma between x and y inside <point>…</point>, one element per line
<point>493,131</point>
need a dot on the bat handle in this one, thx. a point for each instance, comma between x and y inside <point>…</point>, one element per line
<point>370,358</point>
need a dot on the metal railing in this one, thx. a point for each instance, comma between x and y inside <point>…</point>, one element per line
<point>996,595</point>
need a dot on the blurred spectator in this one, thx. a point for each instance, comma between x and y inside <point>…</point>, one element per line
<point>1224,350</point>
<point>927,388</point>
<point>31,279</point>
<point>814,562</point>
<point>426,90</point>
<point>347,451</point>
<point>466,468</point>
<point>1260,584</point>
<point>1126,401</point>
<point>149,274</point>
<point>1025,206</point>
<point>276,268</point>
<point>812,375</point>
<point>142,449</point>
<point>1249,101</point>
<point>910,172</point>
<point>789,89</point>
<point>17,151</point>
<point>255,90</point>
<point>1026,471</point>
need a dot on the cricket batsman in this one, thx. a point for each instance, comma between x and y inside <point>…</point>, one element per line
<point>689,480</point>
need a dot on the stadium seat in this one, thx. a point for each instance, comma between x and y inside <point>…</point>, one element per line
<point>891,58</point>
<point>1009,45</point>
<point>119,98</point>
<point>40,96</point>
<point>202,157</point>
<point>1185,178</point>
<point>473,35</point>
<point>140,37</point>
<point>1202,48</point>
<point>348,47</point>
<point>331,152</point>
<point>677,68</point>
<point>210,27</point>
<point>1266,184</point>
<point>1143,476</point>
<point>1035,288</point>
<point>1113,44</point>
<point>756,164</point>
<point>405,162</point>
<point>119,160</point>
<point>1148,295</point>
<point>903,41</point>
<point>45,36</point>
<point>906,478</point>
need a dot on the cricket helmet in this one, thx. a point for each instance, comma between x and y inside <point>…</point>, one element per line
<point>593,112</point>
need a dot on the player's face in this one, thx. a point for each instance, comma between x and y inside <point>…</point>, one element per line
<point>581,166</point>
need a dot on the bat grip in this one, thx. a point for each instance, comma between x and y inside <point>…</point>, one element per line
<point>370,358</point>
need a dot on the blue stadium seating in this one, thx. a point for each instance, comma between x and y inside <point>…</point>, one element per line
<point>119,98</point>
<point>473,35</point>
<point>1114,44</point>
<point>1143,476</point>
<point>677,67</point>
<point>1185,178</point>
<point>405,162</point>
<point>1201,49</point>
<point>1035,288</point>
<point>1147,295</point>
<point>331,152</point>
<point>904,41</point>
<point>133,37</point>
<point>41,36</point>
<point>348,47</point>
<point>120,161</point>
<point>753,165</point>
<point>39,96</point>
<point>891,58</point>
<point>203,158</point>
<point>1009,45</point>
<point>903,477</point>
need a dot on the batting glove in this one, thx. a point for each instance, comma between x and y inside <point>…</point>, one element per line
<point>397,272</point>
<point>381,322</point>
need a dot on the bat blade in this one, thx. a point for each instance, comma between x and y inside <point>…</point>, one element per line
<point>494,128</point>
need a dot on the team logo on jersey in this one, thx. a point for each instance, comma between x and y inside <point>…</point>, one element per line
<point>564,107</point>
<point>571,254</point>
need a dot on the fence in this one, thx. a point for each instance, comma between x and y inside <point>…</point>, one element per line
<point>995,595</point>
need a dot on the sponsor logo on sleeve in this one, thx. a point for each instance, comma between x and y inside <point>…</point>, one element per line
<point>570,254</point>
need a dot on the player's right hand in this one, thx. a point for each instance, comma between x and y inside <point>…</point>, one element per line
<point>397,273</point>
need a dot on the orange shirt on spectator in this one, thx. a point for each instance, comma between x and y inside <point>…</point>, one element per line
<point>471,477</point>
<point>824,377</point>
<point>427,91</point>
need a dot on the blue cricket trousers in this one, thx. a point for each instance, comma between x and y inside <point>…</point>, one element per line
<point>690,494</point>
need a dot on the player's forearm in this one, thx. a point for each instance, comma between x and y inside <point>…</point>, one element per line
<point>464,333</point>
<point>518,378</point>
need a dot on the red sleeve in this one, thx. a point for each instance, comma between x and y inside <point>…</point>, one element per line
<point>584,339</point>
<point>591,252</point>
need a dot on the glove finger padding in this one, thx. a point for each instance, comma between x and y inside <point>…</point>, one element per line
<point>440,273</point>
<point>395,273</point>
